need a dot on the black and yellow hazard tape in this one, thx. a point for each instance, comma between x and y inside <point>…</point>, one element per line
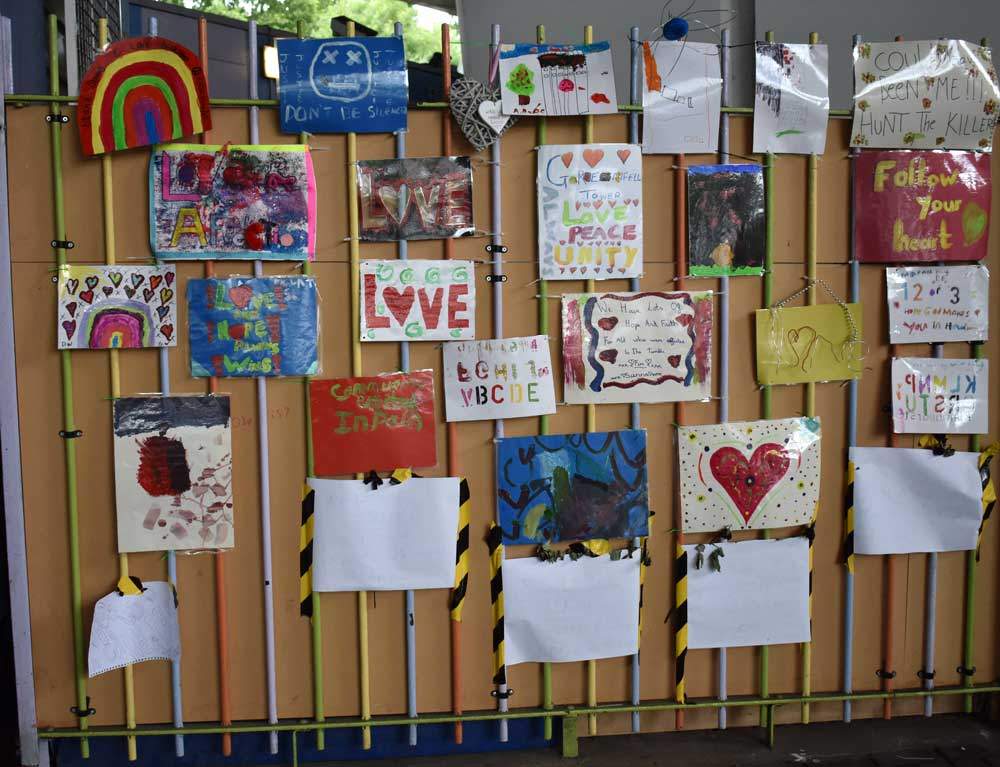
<point>848,523</point>
<point>494,541</point>
<point>681,618</point>
<point>306,551</point>
<point>989,489</point>
<point>461,586</point>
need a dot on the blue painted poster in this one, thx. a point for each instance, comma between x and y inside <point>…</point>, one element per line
<point>259,326</point>
<point>342,85</point>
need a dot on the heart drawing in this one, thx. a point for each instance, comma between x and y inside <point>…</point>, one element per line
<point>747,483</point>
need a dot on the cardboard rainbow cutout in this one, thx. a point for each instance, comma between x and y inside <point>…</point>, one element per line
<point>139,92</point>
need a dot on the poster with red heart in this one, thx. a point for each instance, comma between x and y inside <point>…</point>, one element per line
<point>921,206</point>
<point>379,422</point>
<point>749,475</point>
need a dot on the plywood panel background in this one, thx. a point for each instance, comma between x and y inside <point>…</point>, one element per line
<point>44,475</point>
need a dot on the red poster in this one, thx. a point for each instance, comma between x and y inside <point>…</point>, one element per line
<point>913,206</point>
<point>374,422</point>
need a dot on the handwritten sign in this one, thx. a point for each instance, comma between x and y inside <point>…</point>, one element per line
<point>557,79</point>
<point>418,300</point>
<point>418,199</point>
<point>589,211</point>
<point>937,304</point>
<point>373,422</point>
<point>925,94</point>
<point>504,378</point>
<point>802,344</point>
<point>922,206</point>
<point>637,347</point>
<point>939,396</point>
<point>262,326</point>
<point>681,97</point>
<point>792,101</point>
<point>347,84</point>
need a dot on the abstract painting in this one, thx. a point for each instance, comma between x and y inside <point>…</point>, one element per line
<point>116,307</point>
<point>572,487</point>
<point>800,344</point>
<point>940,396</point>
<point>681,97</point>
<point>232,202</point>
<point>725,220</point>
<point>937,304</point>
<point>253,326</point>
<point>792,103</point>
<point>173,473</point>
<point>538,79</point>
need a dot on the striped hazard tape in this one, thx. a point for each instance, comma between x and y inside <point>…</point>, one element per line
<point>989,489</point>
<point>848,522</point>
<point>681,618</point>
<point>461,552</point>
<point>306,551</point>
<point>494,541</point>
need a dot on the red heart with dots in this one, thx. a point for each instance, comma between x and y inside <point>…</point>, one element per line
<point>748,482</point>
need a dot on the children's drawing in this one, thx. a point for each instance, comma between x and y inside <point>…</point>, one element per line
<point>423,198</point>
<point>342,85</point>
<point>924,94</point>
<point>173,473</point>
<point>500,378</point>
<point>260,326</point>
<point>922,206</point>
<point>232,202</point>
<point>373,422</point>
<point>589,211</point>
<point>538,79</point>
<point>116,307</point>
<point>937,304</point>
<point>572,487</point>
<point>799,344</point>
<point>477,110</point>
<point>140,92</point>
<point>681,97</point>
<point>792,103</point>
<point>750,475</point>
<point>725,220</point>
<point>130,629</point>
<point>418,300</point>
<point>637,347</point>
<point>940,396</point>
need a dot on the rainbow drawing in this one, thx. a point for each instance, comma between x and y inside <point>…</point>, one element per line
<point>139,92</point>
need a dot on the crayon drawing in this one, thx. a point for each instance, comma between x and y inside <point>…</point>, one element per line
<point>725,220</point>
<point>538,79</point>
<point>681,97</point>
<point>792,102</point>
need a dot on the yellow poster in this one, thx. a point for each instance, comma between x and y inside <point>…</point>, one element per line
<point>809,343</point>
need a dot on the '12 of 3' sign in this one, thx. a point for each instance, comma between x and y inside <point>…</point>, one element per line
<point>348,84</point>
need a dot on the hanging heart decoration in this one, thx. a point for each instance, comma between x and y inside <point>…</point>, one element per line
<point>476,108</point>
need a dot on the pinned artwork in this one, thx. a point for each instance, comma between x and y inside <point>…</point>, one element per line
<point>478,111</point>
<point>792,104</point>
<point>759,597</point>
<point>681,97</point>
<point>801,344</point>
<point>173,473</point>
<point>637,347</point>
<point>423,198</point>
<point>937,304</point>
<point>373,422</point>
<point>498,379</point>
<point>253,326</point>
<point>397,537</point>
<point>140,92</point>
<point>725,220</point>
<point>921,206</point>
<point>572,487</point>
<point>589,211</point>
<point>556,612</point>
<point>940,396</point>
<point>548,80</point>
<point>116,307</point>
<point>342,85</point>
<point>912,501</point>
<point>418,300</point>
<point>750,475</point>
<point>925,94</point>
<point>131,629</point>
<point>232,202</point>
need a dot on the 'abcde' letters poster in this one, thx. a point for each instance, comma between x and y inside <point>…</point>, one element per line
<point>373,422</point>
<point>922,206</point>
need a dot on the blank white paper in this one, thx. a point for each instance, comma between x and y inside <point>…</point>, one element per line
<point>132,629</point>
<point>910,501</point>
<point>761,597</point>
<point>562,611</point>
<point>391,539</point>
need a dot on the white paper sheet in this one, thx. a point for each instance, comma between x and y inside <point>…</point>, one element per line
<point>792,102</point>
<point>132,629</point>
<point>761,597</point>
<point>563,611</point>
<point>940,396</point>
<point>937,304</point>
<point>681,97</point>
<point>394,538</point>
<point>908,501</point>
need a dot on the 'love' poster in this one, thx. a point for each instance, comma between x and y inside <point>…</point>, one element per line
<point>937,304</point>
<point>940,396</point>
